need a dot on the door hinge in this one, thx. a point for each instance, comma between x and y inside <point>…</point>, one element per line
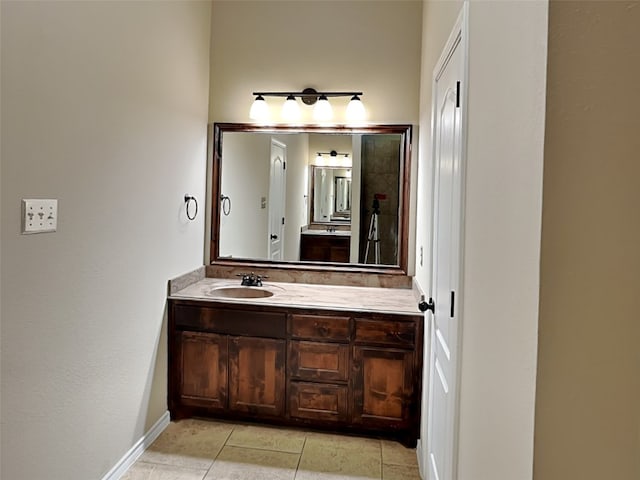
<point>284,165</point>
<point>458,94</point>
<point>453,302</point>
<point>283,220</point>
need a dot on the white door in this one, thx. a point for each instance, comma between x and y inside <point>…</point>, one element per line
<point>447,203</point>
<point>277,187</point>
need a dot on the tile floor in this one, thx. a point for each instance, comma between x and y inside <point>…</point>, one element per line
<point>209,450</point>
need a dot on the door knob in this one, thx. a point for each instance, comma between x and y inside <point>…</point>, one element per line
<point>273,237</point>
<point>424,306</point>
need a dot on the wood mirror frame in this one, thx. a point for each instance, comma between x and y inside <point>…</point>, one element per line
<point>216,131</point>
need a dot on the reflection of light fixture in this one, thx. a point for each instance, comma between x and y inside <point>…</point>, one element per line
<point>333,158</point>
<point>322,112</point>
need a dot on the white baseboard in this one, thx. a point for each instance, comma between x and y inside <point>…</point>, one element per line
<point>134,452</point>
<point>421,467</point>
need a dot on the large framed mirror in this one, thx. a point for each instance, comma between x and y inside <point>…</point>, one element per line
<point>310,196</point>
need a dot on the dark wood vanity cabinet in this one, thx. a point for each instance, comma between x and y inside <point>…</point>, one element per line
<point>256,376</point>
<point>333,370</point>
<point>226,360</point>
<point>318,367</point>
<point>203,367</point>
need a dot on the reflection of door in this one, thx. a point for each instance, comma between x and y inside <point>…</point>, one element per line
<point>447,205</point>
<point>277,186</point>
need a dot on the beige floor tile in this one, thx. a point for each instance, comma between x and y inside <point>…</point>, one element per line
<point>334,456</point>
<point>369,445</point>
<point>400,472</point>
<point>396,454</point>
<point>307,475</point>
<point>236,463</point>
<point>265,438</point>
<point>151,471</point>
<point>188,443</point>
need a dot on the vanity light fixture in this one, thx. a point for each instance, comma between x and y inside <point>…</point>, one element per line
<point>259,110</point>
<point>333,160</point>
<point>355,110</point>
<point>322,112</point>
<point>291,109</point>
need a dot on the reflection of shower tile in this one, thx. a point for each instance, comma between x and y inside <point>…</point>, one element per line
<point>380,175</point>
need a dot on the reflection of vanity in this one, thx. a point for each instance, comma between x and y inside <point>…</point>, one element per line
<point>325,246</point>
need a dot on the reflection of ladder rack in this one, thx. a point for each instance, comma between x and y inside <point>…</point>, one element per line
<point>374,235</point>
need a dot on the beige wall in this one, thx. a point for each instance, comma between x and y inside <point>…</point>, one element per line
<point>104,107</point>
<point>372,46</point>
<point>333,45</point>
<point>506,105</point>
<point>588,398</point>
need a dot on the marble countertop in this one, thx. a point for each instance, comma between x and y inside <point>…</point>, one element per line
<point>336,233</point>
<point>328,297</point>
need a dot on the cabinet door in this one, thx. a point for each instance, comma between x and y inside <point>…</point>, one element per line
<point>382,386</point>
<point>203,370</point>
<point>256,377</point>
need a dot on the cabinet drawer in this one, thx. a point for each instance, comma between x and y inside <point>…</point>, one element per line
<point>385,332</point>
<point>317,361</point>
<point>318,402</point>
<point>230,321</point>
<point>320,327</point>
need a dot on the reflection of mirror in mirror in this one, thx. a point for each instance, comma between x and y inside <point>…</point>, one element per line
<point>327,206</point>
<point>343,197</point>
<point>331,200</point>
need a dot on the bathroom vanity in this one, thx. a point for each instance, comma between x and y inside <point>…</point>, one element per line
<point>330,357</point>
<point>331,341</point>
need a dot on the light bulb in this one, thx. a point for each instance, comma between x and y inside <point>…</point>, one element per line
<point>322,111</point>
<point>291,109</point>
<point>355,110</point>
<point>259,109</point>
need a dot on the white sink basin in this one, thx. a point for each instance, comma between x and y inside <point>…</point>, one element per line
<point>240,292</point>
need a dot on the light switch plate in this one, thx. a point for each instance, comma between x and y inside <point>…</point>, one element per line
<point>39,215</point>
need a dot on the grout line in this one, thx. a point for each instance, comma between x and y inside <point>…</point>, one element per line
<point>381,460</point>
<point>263,449</point>
<point>224,444</point>
<point>304,444</point>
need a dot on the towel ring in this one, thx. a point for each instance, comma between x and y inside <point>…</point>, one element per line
<point>225,203</point>
<point>187,200</point>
